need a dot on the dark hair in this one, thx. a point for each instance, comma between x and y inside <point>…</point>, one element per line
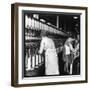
<point>44,33</point>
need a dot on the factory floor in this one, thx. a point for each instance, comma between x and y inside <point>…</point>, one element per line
<point>40,71</point>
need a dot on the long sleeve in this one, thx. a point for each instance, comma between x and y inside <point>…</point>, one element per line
<point>71,48</point>
<point>77,47</point>
<point>41,46</point>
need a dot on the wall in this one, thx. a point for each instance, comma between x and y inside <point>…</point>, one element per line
<point>5,44</point>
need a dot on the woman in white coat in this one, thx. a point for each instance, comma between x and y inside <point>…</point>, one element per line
<point>51,59</point>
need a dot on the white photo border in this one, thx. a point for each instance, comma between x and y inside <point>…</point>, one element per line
<point>51,79</point>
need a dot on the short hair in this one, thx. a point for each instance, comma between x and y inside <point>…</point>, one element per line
<point>44,33</point>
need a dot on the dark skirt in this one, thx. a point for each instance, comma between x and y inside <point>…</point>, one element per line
<point>68,58</point>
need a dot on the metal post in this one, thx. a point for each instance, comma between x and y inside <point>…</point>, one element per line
<point>57,21</point>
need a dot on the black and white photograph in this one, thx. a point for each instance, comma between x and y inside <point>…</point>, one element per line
<point>50,44</point>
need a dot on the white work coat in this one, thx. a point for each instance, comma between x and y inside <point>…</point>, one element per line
<point>51,59</point>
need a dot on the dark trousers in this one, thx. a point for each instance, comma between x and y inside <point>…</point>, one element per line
<point>76,66</point>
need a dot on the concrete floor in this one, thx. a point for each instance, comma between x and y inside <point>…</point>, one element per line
<point>40,71</point>
<point>36,72</point>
